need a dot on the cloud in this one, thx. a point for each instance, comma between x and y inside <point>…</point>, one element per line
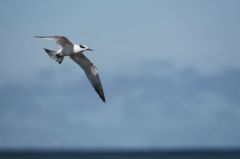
<point>146,109</point>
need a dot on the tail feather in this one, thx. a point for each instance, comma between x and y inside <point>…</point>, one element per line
<point>53,55</point>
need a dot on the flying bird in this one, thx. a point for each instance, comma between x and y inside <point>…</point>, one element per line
<point>75,52</point>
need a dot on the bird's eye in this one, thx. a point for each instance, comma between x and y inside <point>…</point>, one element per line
<point>81,46</point>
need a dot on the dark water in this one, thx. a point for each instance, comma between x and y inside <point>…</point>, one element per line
<point>233,154</point>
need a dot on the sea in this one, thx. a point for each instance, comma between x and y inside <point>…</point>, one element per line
<point>141,154</point>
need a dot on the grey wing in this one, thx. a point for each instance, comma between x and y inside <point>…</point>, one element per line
<point>91,72</point>
<point>61,40</point>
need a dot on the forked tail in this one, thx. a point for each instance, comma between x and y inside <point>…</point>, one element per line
<point>54,55</point>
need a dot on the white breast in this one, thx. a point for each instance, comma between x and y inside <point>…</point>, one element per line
<point>76,48</point>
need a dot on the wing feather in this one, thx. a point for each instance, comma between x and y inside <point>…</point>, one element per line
<point>61,40</point>
<point>91,72</point>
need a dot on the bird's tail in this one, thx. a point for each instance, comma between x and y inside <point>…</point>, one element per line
<point>53,55</point>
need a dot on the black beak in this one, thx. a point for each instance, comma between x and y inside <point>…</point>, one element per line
<point>89,49</point>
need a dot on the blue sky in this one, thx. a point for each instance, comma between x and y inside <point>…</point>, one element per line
<point>170,72</point>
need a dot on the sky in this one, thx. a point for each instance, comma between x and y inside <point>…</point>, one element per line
<point>170,72</point>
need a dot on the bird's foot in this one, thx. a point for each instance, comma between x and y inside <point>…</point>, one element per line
<point>59,58</point>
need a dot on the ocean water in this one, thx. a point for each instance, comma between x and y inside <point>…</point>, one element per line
<point>234,154</point>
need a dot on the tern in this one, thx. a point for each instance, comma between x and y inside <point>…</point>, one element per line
<point>75,52</point>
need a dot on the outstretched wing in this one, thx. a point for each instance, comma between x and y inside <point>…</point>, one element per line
<point>61,40</point>
<point>91,72</point>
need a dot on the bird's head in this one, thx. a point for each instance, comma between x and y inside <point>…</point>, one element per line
<point>85,48</point>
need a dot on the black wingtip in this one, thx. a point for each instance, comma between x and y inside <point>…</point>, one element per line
<point>103,99</point>
<point>101,95</point>
<point>36,36</point>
